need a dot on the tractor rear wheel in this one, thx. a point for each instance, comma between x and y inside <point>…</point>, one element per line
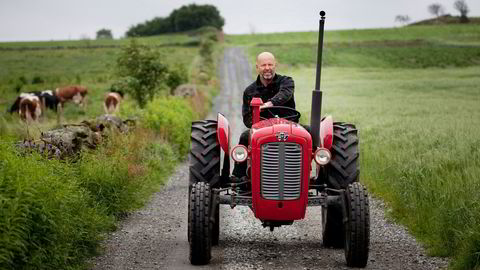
<point>357,226</point>
<point>204,156</point>
<point>343,168</point>
<point>199,224</point>
<point>333,234</point>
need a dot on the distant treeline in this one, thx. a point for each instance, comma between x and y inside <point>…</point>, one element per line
<point>185,18</point>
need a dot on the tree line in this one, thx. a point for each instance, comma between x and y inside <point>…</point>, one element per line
<point>183,19</point>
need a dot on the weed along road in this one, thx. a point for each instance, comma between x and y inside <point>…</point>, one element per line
<point>155,237</point>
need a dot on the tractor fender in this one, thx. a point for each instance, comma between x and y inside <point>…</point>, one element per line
<point>223,133</point>
<point>326,132</point>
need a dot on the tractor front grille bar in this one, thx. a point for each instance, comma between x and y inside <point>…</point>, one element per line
<point>281,171</point>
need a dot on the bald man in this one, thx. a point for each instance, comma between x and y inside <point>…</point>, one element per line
<point>274,90</point>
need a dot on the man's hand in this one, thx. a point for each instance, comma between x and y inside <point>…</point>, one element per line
<point>266,105</point>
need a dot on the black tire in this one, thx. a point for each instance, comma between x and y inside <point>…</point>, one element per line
<point>357,227</point>
<point>200,225</point>
<point>333,233</point>
<point>343,168</point>
<point>204,157</point>
<point>216,226</point>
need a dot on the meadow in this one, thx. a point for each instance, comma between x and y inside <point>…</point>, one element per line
<point>414,95</point>
<point>54,213</point>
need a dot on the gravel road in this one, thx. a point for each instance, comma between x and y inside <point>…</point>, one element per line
<point>155,237</point>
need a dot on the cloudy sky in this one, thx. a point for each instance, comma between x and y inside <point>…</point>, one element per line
<point>22,20</point>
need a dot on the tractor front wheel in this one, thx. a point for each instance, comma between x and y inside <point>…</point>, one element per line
<point>199,223</point>
<point>357,226</point>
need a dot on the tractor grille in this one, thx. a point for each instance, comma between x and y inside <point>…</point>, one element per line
<point>281,171</point>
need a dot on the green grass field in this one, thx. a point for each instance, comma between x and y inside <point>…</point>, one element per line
<point>94,68</point>
<point>414,95</point>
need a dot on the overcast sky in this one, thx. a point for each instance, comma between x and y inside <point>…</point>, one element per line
<point>22,20</point>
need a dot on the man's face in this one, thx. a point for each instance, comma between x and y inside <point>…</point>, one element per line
<point>266,67</point>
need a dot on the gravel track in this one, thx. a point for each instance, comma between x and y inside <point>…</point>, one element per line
<point>155,237</point>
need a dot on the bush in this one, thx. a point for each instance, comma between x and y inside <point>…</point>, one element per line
<point>37,80</point>
<point>171,117</point>
<point>176,76</point>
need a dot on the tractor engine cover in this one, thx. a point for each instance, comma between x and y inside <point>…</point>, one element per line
<point>281,154</point>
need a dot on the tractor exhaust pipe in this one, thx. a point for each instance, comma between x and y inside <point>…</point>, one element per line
<point>316,111</point>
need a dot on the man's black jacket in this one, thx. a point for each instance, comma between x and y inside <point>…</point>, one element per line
<point>279,92</point>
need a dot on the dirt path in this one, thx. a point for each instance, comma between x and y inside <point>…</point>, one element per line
<point>155,237</point>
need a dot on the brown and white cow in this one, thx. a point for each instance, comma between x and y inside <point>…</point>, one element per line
<point>30,107</point>
<point>75,93</point>
<point>112,101</point>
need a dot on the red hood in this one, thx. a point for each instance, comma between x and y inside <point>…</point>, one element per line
<point>274,125</point>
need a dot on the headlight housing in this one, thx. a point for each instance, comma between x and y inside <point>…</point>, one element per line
<point>322,156</point>
<point>239,153</point>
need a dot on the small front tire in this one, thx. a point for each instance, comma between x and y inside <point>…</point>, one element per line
<point>199,224</point>
<point>357,226</point>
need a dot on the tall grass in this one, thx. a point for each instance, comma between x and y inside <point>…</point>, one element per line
<point>419,143</point>
<point>53,213</point>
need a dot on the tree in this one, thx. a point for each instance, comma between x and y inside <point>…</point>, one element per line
<point>436,9</point>
<point>403,19</point>
<point>142,72</point>
<point>104,34</point>
<point>462,7</point>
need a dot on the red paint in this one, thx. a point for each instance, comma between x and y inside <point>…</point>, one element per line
<point>326,132</point>
<point>223,132</point>
<point>265,132</point>
<point>256,103</point>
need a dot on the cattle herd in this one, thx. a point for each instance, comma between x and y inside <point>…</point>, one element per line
<point>32,105</point>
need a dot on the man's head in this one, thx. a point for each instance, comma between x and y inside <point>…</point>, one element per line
<point>266,66</point>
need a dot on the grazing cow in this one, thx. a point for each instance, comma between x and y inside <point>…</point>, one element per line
<point>112,101</point>
<point>30,107</point>
<point>75,93</point>
<point>47,100</point>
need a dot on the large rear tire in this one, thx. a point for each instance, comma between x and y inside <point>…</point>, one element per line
<point>357,227</point>
<point>199,224</point>
<point>343,168</point>
<point>333,233</point>
<point>204,157</point>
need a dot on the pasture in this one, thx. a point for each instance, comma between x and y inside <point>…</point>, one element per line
<point>414,95</point>
<point>53,213</point>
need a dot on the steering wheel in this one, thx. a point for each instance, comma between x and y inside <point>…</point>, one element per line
<point>293,115</point>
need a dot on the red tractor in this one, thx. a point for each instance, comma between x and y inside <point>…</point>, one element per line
<point>279,184</point>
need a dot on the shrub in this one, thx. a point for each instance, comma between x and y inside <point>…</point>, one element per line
<point>37,80</point>
<point>176,76</point>
<point>171,117</point>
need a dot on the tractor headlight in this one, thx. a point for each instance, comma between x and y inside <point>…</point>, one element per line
<point>239,153</point>
<point>322,156</point>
